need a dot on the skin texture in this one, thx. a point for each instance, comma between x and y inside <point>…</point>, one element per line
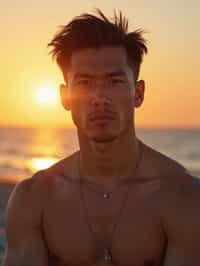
<point>46,222</point>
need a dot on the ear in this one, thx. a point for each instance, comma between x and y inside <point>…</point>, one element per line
<point>139,93</point>
<point>65,97</point>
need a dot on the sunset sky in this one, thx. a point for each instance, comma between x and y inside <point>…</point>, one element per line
<point>171,69</point>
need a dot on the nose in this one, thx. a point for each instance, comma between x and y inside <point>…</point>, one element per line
<point>100,100</point>
<point>100,95</point>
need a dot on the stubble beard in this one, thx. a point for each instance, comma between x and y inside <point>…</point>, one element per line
<point>107,139</point>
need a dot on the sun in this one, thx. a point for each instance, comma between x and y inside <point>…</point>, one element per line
<point>46,95</point>
<point>36,164</point>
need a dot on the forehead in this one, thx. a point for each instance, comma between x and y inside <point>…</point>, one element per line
<point>99,61</point>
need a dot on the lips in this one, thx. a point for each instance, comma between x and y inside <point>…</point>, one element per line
<point>101,117</point>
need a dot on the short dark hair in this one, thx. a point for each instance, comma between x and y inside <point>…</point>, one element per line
<point>90,31</point>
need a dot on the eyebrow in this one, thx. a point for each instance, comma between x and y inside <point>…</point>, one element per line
<point>90,76</point>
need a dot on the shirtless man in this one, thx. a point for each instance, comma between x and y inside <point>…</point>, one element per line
<point>116,201</point>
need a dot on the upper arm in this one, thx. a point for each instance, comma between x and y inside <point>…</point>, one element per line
<point>182,224</point>
<point>24,243</point>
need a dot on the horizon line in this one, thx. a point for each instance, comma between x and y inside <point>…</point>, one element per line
<point>50,127</point>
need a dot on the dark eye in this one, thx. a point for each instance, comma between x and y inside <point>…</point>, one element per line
<point>83,82</point>
<point>117,81</point>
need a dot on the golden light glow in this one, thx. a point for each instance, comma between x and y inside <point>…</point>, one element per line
<point>37,164</point>
<point>169,70</point>
<point>46,95</point>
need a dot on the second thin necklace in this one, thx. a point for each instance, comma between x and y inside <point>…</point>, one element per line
<point>106,254</point>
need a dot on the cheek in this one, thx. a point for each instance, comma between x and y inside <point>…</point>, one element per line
<point>126,101</point>
<point>79,101</point>
<point>79,107</point>
<point>126,109</point>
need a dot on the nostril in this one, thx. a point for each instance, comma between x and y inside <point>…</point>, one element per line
<point>95,102</point>
<point>100,100</point>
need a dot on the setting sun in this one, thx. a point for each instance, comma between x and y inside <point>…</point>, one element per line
<point>46,95</point>
<point>36,164</point>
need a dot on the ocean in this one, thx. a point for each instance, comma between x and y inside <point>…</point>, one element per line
<point>23,151</point>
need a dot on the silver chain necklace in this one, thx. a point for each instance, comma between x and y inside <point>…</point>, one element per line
<point>106,254</point>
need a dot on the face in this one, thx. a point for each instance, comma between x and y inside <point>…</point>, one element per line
<point>102,93</point>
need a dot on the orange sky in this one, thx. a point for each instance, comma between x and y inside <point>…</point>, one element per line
<point>171,69</point>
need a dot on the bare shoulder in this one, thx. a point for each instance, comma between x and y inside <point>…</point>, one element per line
<point>182,188</point>
<point>24,243</point>
<point>178,194</point>
<point>177,184</point>
<point>27,197</point>
<point>35,189</point>
<point>159,164</point>
<point>24,208</point>
<point>67,168</point>
<point>178,201</point>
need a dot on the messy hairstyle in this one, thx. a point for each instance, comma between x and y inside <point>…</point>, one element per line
<point>89,31</point>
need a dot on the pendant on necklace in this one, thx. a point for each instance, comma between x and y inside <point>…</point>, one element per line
<point>107,255</point>
<point>106,195</point>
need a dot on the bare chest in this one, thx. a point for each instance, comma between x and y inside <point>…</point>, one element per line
<point>78,227</point>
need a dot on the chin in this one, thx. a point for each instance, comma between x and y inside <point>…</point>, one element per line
<point>104,139</point>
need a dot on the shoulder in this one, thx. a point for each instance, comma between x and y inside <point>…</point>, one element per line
<point>179,198</point>
<point>43,183</point>
<point>29,189</point>
<point>36,187</point>
<point>182,186</point>
<point>25,204</point>
<point>157,164</point>
<point>67,167</point>
<point>178,194</point>
<point>29,197</point>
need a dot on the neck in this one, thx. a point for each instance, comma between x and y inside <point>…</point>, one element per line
<point>103,163</point>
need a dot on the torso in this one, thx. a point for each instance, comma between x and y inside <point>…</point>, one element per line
<point>139,238</point>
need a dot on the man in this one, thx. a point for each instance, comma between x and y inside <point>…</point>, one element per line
<point>116,201</point>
